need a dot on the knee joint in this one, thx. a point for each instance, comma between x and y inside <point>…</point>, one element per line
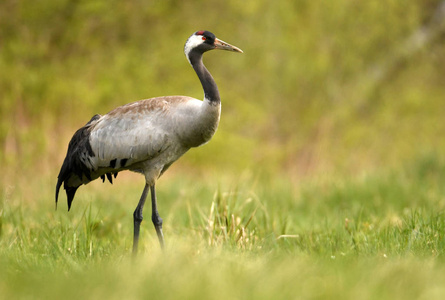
<point>137,217</point>
<point>157,220</point>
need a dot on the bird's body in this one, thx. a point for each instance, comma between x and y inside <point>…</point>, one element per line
<point>146,136</point>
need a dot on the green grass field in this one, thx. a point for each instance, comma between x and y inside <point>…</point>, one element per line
<point>376,236</point>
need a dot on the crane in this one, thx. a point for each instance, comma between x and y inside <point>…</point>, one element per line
<point>146,136</point>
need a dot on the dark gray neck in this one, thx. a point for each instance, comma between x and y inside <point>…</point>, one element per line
<point>211,92</point>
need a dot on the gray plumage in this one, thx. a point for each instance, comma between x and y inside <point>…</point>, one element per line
<point>145,136</point>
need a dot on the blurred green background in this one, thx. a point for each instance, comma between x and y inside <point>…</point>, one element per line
<point>323,87</point>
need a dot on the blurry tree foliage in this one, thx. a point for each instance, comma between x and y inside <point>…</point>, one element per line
<point>323,86</point>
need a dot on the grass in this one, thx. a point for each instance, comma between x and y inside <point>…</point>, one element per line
<point>376,236</point>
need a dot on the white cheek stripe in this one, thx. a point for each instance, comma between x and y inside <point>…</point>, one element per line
<point>192,42</point>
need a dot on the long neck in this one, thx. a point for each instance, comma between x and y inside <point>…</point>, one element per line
<point>211,92</point>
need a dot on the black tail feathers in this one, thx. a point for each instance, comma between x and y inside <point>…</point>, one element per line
<point>73,165</point>
<point>70,192</point>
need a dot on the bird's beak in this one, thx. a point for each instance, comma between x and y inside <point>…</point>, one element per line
<point>225,46</point>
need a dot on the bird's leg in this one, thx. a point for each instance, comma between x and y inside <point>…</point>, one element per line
<point>137,219</point>
<point>157,221</point>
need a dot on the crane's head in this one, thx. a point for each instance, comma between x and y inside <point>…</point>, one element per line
<point>202,41</point>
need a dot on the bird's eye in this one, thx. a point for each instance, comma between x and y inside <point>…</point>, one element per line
<point>204,38</point>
